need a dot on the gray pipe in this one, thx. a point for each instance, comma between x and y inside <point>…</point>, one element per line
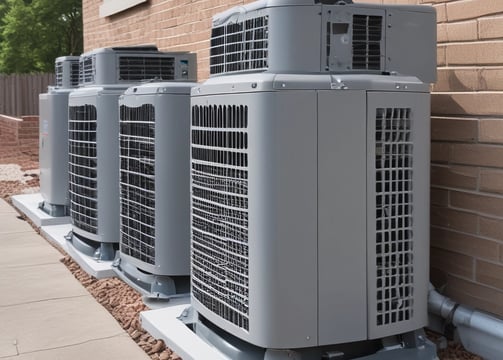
<point>480,333</point>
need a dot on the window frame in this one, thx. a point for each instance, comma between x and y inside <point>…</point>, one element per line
<point>111,7</point>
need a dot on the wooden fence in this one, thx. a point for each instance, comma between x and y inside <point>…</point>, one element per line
<point>19,93</point>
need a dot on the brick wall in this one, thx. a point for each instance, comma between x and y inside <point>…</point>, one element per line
<point>16,131</point>
<point>467,153</point>
<point>9,127</point>
<point>178,25</point>
<point>467,124</point>
<point>18,135</point>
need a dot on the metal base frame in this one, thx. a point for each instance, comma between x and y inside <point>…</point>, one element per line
<point>97,250</point>
<point>411,345</point>
<point>152,286</point>
<point>53,209</point>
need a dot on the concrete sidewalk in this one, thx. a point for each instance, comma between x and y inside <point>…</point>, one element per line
<point>45,313</point>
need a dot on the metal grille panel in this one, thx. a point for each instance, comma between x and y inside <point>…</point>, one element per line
<point>73,75</point>
<point>82,167</point>
<point>138,68</point>
<point>367,38</point>
<point>394,236</point>
<point>240,46</point>
<point>87,69</point>
<point>59,74</point>
<point>137,182</point>
<point>220,210</point>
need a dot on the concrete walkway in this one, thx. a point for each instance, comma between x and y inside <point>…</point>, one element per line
<point>45,313</point>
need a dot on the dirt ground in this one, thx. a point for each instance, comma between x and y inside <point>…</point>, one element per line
<point>19,174</point>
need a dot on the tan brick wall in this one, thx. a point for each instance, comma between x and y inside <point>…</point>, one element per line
<point>467,124</point>
<point>467,153</point>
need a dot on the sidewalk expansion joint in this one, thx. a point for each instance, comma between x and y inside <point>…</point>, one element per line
<point>30,231</point>
<point>29,265</point>
<point>66,346</point>
<point>44,300</point>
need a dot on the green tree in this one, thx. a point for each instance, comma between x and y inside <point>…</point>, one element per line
<point>34,32</point>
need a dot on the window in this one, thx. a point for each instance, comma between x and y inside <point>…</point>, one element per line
<point>111,7</point>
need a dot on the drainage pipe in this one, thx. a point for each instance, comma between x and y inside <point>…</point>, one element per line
<point>480,333</point>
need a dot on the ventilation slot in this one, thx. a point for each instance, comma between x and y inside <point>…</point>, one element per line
<point>240,46</point>
<point>220,211</point>
<point>74,75</point>
<point>137,185</point>
<point>139,68</point>
<point>82,167</point>
<point>367,36</point>
<point>394,235</point>
<point>87,69</point>
<point>59,74</point>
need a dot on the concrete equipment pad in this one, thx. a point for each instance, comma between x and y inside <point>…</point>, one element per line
<point>28,205</point>
<point>97,268</point>
<point>163,324</point>
<point>56,234</point>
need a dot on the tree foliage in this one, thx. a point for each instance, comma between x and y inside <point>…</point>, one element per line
<point>34,32</point>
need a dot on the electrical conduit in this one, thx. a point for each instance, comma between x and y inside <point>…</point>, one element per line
<point>480,333</point>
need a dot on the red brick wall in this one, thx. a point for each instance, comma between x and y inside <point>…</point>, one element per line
<point>19,132</point>
<point>178,25</point>
<point>9,130</point>
<point>467,124</point>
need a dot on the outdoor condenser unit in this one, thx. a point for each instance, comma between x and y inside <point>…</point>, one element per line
<point>94,137</point>
<point>129,65</point>
<point>53,140</point>
<point>306,36</point>
<point>310,178</point>
<point>154,188</point>
<point>310,207</point>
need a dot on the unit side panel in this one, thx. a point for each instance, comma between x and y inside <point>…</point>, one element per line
<point>262,246</point>
<point>406,51</point>
<point>398,211</point>
<point>298,45</point>
<point>342,245</point>
<point>283,219</point>
<point>45,146</point>
<point>172,146</point>
<point>106,68</point>
<point>58,137</point>
<point>54,148</point>
<point>107,150</point>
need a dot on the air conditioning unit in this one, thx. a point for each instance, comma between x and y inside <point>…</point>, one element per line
<point>154,189</point>
<point>93,129</point>
<point>94,137</point>
<point>133,64</point>
<point>67,72</point>
<point>53,140</point>
<point>309,208</point>
<point>306,36</point>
